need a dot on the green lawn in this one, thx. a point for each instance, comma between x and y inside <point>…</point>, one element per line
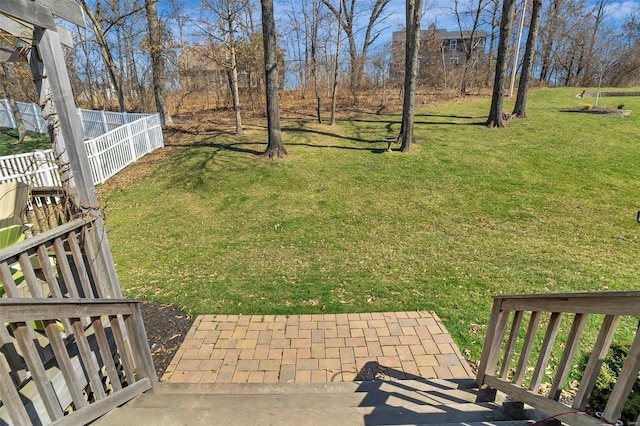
<point>547,204</point>
<point>9,144</point>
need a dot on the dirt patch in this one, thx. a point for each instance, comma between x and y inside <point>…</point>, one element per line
<point>166,327</point>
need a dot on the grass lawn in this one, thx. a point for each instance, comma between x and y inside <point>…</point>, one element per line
<point>547,204</point>
<point>9,144</point>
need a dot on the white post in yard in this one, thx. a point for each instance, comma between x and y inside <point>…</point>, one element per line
<point>105,125</point>
<point>12,119</point>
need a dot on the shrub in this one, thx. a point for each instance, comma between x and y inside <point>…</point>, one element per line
<point>606,381</point>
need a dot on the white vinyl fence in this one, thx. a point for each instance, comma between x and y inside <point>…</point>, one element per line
<point>94,123</point>
<point>108,154</point>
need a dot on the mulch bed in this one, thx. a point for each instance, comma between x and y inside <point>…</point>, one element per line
<point>166,327</point>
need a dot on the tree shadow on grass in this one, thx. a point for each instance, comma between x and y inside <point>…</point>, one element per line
<point>416,121</point>
<point>233,147</point>
<point>468,117</point>
<point>331,135</point>
<point>349,148</point>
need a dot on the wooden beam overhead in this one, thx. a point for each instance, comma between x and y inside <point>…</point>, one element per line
<point>16,28</point>
<point>29,12</point>
<point>65,36</point>
<point>25,31</point>
<point>65,9</point>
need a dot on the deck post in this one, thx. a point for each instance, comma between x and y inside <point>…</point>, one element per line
<point>68,141</point>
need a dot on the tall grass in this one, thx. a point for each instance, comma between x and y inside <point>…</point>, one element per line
<point>547,204</point>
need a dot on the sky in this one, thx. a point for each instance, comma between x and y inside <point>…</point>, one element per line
<point>439,12</point>
<point>436,11</point>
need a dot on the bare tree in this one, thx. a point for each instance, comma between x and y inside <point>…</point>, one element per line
<point>520,107</point>
<point>506,23</point>
<point>105,49</point>
<point>5,76</point>
<point>469,21</point>
<point>275,148</point>
<point>227,22</point>
<point>495,7</point>
<point>598,14</point>
<point>315,22</point>
<point>336,69</point>
<point>347,16</point>
<point>414,20</point>
<point>157,63</point>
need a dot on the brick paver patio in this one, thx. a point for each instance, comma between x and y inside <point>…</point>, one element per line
<point>316,348</point>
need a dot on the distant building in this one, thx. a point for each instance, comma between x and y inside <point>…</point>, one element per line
<point>439,47</point>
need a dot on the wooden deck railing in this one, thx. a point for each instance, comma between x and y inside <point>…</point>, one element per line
<point>48,207</point>
<point>79,363</point>
<point>60,263</point>
<point>495,369</point>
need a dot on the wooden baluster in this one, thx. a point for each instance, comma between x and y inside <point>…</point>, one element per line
<point>25,336</point>
<point>527,346</point>
<point>590,374</point>
<point>48,272</point>
<point>140,346</point>
<point>105,353</point>
<point>493,341</point>
<point>570,348</point>
<point>91,367</point>
<point>545,350</point>
<point>7,282</point>
<point>81,269</point>
<point>511,343</point>
<point>625,381</point>
<point>123,348</point>
<point>11,398</point>
<point>30,276</point>
<point>64,362</point>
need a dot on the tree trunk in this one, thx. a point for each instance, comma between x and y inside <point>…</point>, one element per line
<point>527,62</point>
<point>494,20</point>
<point>336,69</point>
<point>506,22</point>
<point>233,72</point>
<point>22,131</point>
<point>414,19</point>
<point>275,148</point>
<point>106,55</point>
<point>157,63</point>
<point>314,62</point>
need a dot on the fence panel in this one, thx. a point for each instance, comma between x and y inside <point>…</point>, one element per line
<point>35,169</point>
<point>108,154</point>
<point>94,123</point>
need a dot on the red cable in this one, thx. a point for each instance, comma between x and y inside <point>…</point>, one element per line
<point>546,419</point>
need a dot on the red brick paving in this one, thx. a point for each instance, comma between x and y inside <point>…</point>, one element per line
<point>316,348</point>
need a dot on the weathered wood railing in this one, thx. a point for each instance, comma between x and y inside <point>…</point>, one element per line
<point>48,207</point>
<point>60,262</point>
<point>76,372</point>
<point>499,349</point>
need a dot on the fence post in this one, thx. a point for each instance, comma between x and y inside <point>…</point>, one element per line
<point>95,161</point>
<point>84,130</point>
<point>105,125</point>
<point>39,119</point>
<point>132,146</point>
<point>36,119</point>
<point>12,119</point>
<point>147,140</point>
<point>43,170</point>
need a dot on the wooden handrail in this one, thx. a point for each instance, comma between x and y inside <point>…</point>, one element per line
<point>91,372</point>
<point>499,349</point>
